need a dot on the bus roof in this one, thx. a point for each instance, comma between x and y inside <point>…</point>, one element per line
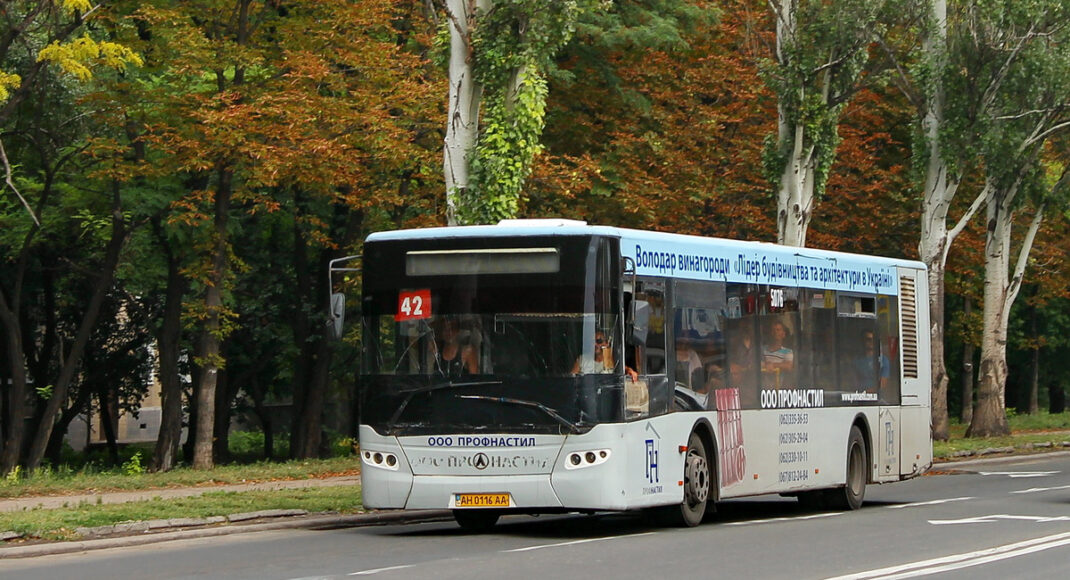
<point>703,258</point>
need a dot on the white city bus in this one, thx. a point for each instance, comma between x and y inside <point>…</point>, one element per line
<point>550,366</point>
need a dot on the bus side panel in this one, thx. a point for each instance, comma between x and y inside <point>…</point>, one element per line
<point>886,450</point>
<point>917,449</point>
<point>792,450</point>
<point>598,484</point>
<point>646,468</point>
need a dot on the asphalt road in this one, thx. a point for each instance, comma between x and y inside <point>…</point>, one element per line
<point>991,519</point>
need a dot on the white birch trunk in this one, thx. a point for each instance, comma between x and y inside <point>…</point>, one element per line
<point>795,196</point>
<point>989,418</point>
<point>934,241</point>
<point>462,126</point>
<point>1001,289</point>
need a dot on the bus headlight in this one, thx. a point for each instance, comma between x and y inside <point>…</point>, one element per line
<point>380,459</point>
<point>580,459</point>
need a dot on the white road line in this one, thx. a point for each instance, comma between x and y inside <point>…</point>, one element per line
<point>1040,489</point>
<point>960,561</point>
<point>377,570</point>
<point>933,502</point>
<point>1017,474</point>
<point>788,519</point>
<point>574,542</point>
<point>995,517</point>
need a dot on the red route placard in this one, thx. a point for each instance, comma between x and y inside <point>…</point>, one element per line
<point>413,305</point>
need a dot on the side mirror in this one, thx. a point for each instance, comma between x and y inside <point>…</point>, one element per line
<point>336,320</point>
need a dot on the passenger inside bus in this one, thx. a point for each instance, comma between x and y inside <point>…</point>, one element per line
<point>777,358</point>
<point>689,369</point>
<point>871,367</point>
<point>454,353</point>
<point>601,361</point>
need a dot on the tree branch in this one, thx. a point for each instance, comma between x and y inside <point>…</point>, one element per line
<point>10,183</point>
<point>1023,254</point>
<point>960,225</point>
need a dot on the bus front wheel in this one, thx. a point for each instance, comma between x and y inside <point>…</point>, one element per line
<point>697,483</point>
<point>849,497</point>
<point>476,520</point>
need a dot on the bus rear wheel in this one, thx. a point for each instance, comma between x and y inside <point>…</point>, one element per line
<point>850,496</point>
<point>476,520</point>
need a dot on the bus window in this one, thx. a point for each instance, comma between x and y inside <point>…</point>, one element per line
<point>815,352</point>
<point>647,357</point>
<point>698,344</point>
<point>888,342</point>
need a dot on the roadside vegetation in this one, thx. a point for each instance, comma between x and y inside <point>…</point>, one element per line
<point>90,473</point>
<point>62,523</point>
<point>1037,432</point>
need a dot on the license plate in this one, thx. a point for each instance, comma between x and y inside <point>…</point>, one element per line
<point>475,500</point>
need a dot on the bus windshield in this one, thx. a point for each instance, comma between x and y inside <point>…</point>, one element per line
<point>480,335</point>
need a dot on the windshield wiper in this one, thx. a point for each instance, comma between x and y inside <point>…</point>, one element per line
<point>551,412</point>
<point>410,393</point>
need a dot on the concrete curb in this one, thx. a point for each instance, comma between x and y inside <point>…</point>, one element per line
<point>140,533</point>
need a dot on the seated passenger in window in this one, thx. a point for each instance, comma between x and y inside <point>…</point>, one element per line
<point>689,369</point>
<point>777,358</point>
<point>871,367</point>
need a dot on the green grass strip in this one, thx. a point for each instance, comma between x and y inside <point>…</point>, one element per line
<point>60,524</point>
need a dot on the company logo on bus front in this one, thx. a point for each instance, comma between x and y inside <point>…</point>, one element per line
<point>482,461</point>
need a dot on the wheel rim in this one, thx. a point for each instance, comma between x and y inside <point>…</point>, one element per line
<point>697,478</point>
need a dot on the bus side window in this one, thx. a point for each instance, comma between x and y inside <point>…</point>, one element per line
<point>651,394</point>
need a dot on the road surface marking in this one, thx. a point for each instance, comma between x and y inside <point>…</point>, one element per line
<point>995,517</point>
<point>1040,489</point>
<point>960,561</point>
<point>1019,474</point>
<point>933,502</point>
<point>377,570</point>
<point>574,542</point>
<point>785,519</point>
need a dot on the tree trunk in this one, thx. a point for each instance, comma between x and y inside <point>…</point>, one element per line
<point>310,422</point>
<point>169,347</point>
<point>990,417</point>
<point>462,125</point>
<point>72,361</point>
<point>1034,377</point>
<point>934,243</point>
<point>795,199</point>
<point>55,444</point>
<point>795,191</point>
<point>15,405</point>
<point>109,418</point>
<point>221,438</point>
<point>211,335</point>
<point>967,371</point>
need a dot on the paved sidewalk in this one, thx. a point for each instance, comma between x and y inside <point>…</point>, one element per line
<point>61,501</point>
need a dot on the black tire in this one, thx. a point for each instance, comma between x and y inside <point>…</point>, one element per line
<point>850,496</point>
<point>476,520</point>
<point>697,485</point>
